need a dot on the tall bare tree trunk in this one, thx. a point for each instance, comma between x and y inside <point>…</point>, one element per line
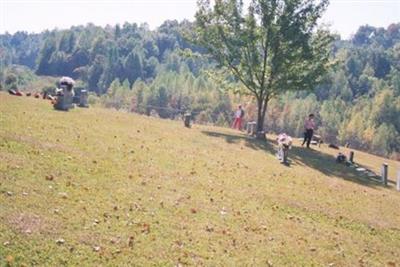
<point>262,105</point>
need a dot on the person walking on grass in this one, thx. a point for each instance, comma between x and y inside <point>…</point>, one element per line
<point>309,126</point>
<point>239,114</point>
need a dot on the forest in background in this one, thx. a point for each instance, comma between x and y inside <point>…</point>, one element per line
<point>159,72</point>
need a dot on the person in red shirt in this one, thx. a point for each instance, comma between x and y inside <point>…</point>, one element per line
<point>239,114</point>
<point>309,126</point>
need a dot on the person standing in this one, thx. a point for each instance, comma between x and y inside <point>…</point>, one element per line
<point>239,114</point>
<point>309,126</point>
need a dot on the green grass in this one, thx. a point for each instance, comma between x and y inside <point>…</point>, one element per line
<point>127,190</point>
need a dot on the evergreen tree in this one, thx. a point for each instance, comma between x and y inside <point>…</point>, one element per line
<point>133,67</point>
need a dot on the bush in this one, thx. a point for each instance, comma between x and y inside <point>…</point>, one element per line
<point>49,90</point>
<point>93,99</point>
<point>11,81</point>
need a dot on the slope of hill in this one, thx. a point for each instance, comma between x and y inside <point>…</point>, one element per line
<point>100,187</point>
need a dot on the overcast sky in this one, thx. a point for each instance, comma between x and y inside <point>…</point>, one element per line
<point>344,16</point>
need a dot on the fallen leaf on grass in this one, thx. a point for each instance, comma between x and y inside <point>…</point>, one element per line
<point>131,239</point>
<point>10,260</point>
<point>209,229</point>
<point>223,211</point>
<point>146,228</point>
<point>60,241</point>
<point>63,195</point>
<point>117,251</point>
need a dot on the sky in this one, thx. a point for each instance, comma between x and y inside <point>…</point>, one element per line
<point>343,16</point>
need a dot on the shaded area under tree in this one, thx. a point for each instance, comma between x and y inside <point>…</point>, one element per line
<point>312,158</point>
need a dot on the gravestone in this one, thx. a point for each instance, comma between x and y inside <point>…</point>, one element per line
<point>283,152</point>
<point>186,119</point>
<point>83,99</point>
<point>384,173</point>
<point>351,157</point>
<point>65,94</point>
<point>251,127</point>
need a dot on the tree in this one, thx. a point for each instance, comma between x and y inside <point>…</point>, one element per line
<point>271,49</point>
<point>133,67</point>
<point>45,55</point>
<point>11,81</point>
<point>162,102</point>
<point>138,105</point>
<point>332,115</point>
<point>95,72</point>
<point>386,140</point>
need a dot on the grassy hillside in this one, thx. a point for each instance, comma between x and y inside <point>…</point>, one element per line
<point>103,188</point>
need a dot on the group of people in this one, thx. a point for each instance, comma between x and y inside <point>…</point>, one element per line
<point>284,140</point>
<point>309,125</point>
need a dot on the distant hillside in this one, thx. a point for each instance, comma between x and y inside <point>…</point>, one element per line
<point>159,71</point>
<point>101,187</point>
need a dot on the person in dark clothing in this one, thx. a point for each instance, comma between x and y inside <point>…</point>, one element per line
<point>309,126</point>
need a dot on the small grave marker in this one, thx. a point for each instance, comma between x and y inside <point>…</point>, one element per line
<point>351,157</point>
<point>251,127</point>
<point>384,173</point>
<point>186,119</point>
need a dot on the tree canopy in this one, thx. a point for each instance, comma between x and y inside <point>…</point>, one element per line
<point>273,48</point>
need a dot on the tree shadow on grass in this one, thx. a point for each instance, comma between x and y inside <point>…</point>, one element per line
<point>249,141</point>
<point>311,158</point>
<point>327,165</point>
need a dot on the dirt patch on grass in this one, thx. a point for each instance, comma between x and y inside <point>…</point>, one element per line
<point>27,223</point>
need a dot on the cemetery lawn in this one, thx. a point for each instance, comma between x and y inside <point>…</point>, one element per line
<point>96,187</point>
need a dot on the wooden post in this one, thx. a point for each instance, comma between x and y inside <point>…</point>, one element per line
<point>398,180</point>
<point>351,157</point>
<point>384,173</point>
